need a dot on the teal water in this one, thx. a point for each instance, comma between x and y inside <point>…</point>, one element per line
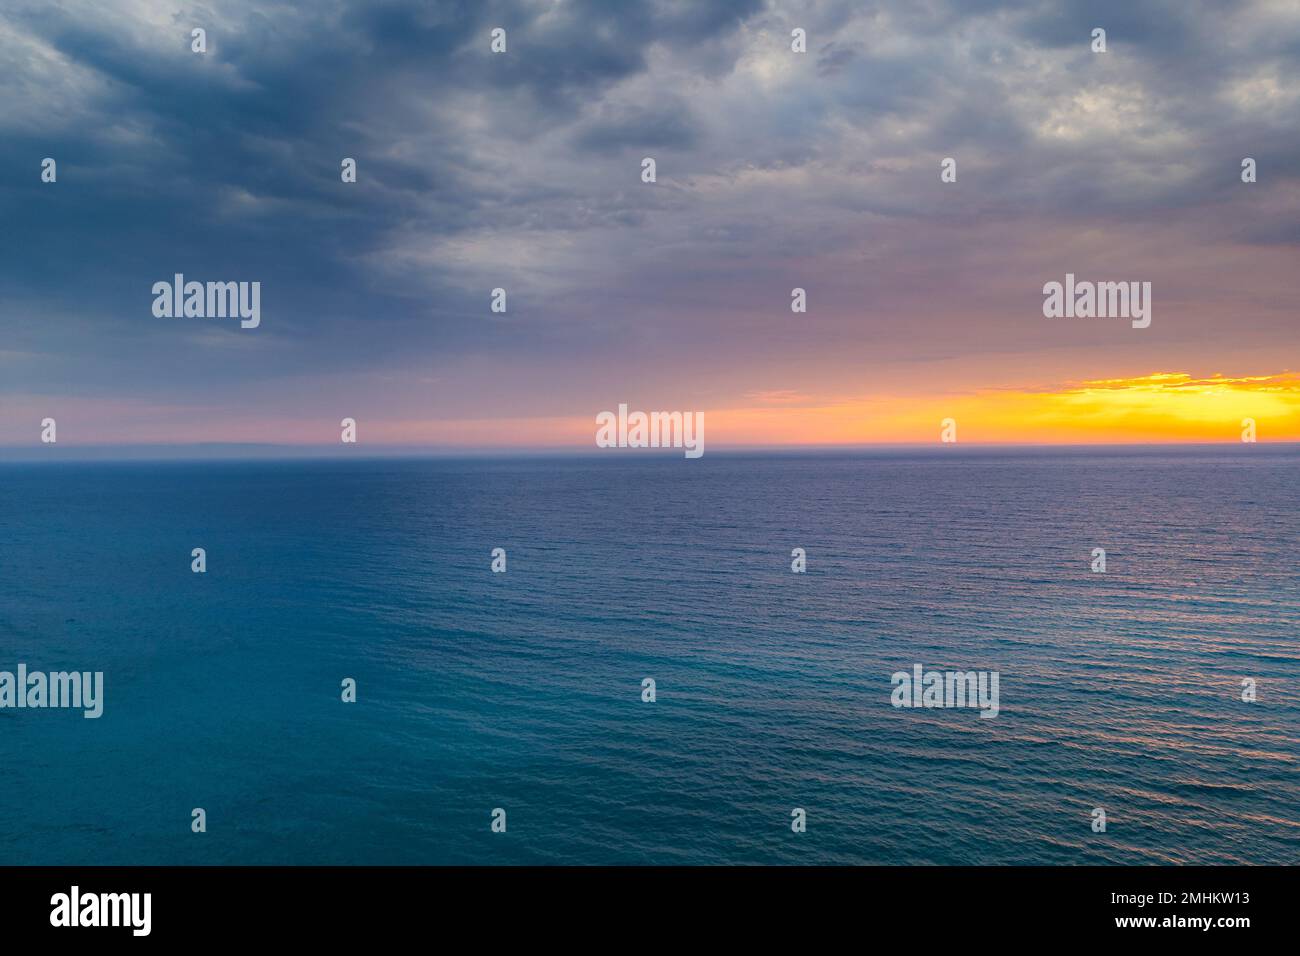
<point>523,690</point>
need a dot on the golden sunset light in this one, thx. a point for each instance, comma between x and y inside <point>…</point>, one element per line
<point>1160,407</point>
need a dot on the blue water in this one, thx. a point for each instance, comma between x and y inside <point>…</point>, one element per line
<point>523,690</point>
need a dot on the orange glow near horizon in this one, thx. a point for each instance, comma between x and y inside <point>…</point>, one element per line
<point>1164,407</point>
<point>1161,407</point>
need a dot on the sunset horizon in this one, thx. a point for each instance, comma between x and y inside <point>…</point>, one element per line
<point>1162,408</point>
<point>449,445</point>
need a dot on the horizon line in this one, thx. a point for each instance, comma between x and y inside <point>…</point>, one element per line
<point>372,451</point>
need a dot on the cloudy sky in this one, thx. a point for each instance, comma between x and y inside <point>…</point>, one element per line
<point>522,170</point>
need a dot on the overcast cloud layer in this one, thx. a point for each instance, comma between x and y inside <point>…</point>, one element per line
<point>522,171</point>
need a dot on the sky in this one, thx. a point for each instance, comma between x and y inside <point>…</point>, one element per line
<point>775,170</point>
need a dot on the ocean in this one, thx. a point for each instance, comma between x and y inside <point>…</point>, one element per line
<point>522,690</point>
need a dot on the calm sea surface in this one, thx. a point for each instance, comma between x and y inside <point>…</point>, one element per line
<point>523,690</point>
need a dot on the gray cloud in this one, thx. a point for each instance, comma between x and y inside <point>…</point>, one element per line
<point>523,171</point>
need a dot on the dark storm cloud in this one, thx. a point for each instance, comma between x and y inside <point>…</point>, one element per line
<point>522,170</point>
<point>232,162</point>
